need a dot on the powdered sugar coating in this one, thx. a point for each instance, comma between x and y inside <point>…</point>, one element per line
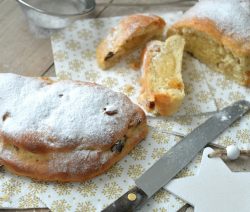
<point>127,26</point>
<point>230,16</point>
<point>64,112</point>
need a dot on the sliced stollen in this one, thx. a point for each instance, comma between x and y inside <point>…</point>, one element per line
<point>162,90</point>
<point>131,33</point>
<point>65,130</point>
<point>218,34</point>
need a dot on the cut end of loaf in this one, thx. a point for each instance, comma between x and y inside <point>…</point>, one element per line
<point>216,54</point>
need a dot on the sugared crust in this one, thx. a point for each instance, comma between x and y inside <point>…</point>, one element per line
<point>133,25</point>
<point>226,21</point>
<point>131,32</point>
<point>240,46</point>
<point>71,139</point>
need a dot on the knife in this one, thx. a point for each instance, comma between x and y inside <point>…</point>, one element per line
<point>172,162</point>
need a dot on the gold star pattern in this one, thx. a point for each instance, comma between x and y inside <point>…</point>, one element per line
<point>204,96</point>
<point>112,190</point>
<point>73,45</point>
<point>86,206</point>
<point>57,37</point>
<point>115,171</point>
<point>63,75</point>
<point>37,187</point>
<point>158,153</point>
<point>91,75</point>
<point>88,54</point>
<point>87,188</point>
<point>243,135</point>
<point>60,206</point>
<point>159,210</point>
<point>29,201</point>
<point>159,137</point>
<point>63,188</point>
<point>96,23</point>
<point>135,171</point>
<point>84,34</point>
<point>110,82</point>
<point>236,96</point>
<point>11,187</point>
<point>60,55</point>
<point>76,65</point>
<point>161,196</point>
<point>139,153</point>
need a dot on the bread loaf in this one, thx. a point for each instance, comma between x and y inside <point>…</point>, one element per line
<point>131,33</point>
<point>218,34</point>
<point>64,130</point>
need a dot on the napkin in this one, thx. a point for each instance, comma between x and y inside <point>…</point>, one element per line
<point>75,59</point>
<point>19,192</point>
<point>74,49</point>
<point>74,55</point>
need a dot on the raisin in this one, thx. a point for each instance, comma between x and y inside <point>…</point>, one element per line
<point>109,55</point>
<point>118,146</point>
<point>5,116</point>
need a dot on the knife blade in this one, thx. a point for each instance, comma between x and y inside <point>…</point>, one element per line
<point>172,162</point>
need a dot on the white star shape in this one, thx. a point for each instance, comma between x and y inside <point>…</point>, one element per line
<point>215,188</point>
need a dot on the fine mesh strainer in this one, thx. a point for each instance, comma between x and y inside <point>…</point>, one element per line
<point>56,14</point>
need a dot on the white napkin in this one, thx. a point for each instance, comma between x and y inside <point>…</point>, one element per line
<point>74,55</point>
<point>19,192</point>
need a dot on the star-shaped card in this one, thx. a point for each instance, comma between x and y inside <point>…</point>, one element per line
<point>214,188</point>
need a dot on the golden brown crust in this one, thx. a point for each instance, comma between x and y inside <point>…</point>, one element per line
<point>108,126</point>
<point>131,33</point>
<point>39,166</point>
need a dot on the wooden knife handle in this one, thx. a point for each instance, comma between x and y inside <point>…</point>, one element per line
<point>128,202</point>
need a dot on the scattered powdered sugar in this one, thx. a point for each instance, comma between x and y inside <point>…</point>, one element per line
<point>230,16</point>
<point>224,118</point>
<point>126,27</point>
<point>63,112</point>
<point>246,5</point>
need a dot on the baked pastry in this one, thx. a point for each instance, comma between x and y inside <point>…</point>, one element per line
<point>64,130</point>
<point>161,82</point>
<point>132,32</point>
<point>218,34</point>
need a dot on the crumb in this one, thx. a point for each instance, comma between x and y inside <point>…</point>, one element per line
<point>128,89</point>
